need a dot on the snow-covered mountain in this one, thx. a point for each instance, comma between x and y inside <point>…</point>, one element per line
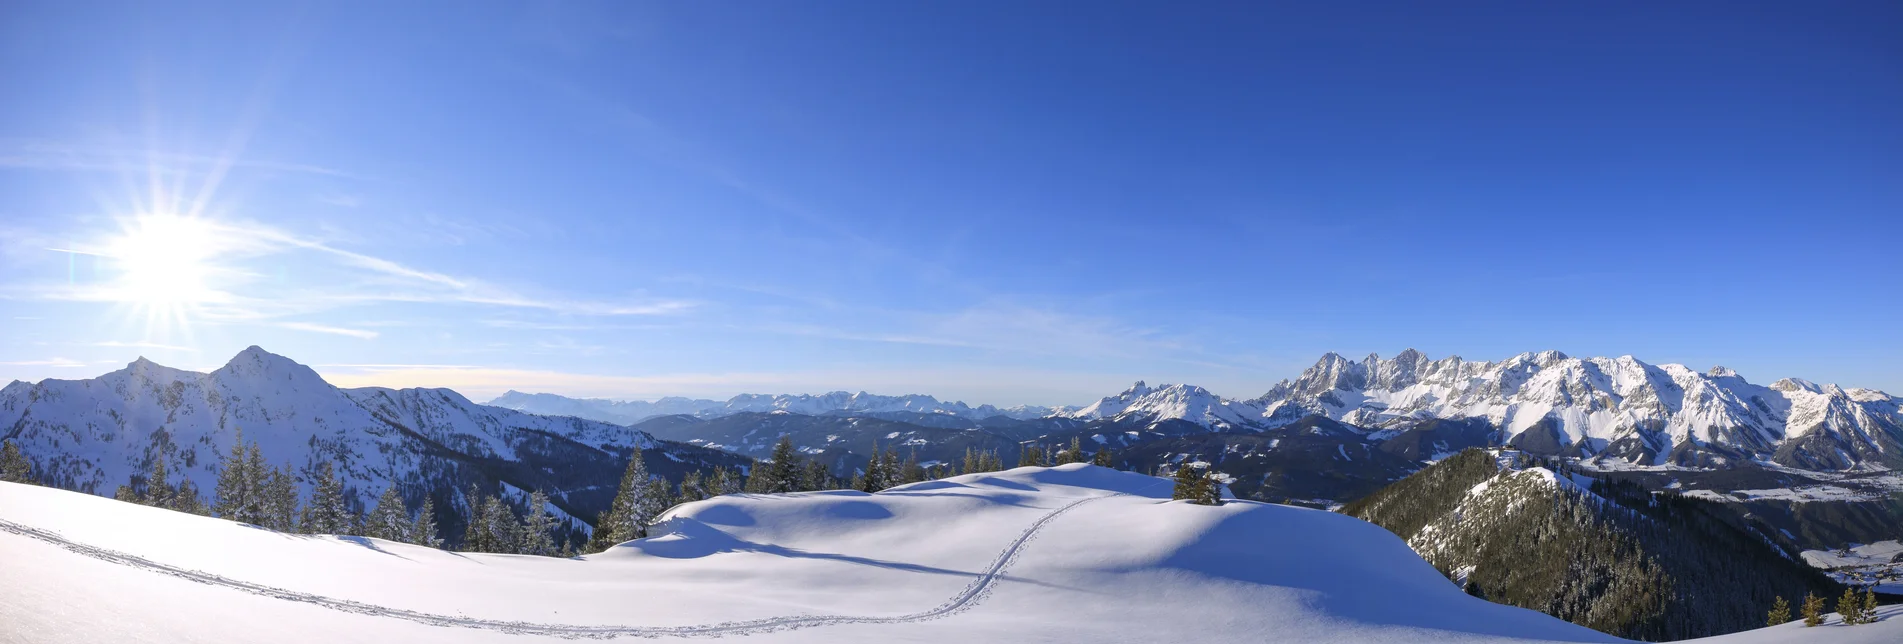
<point>1612,557</point>
<point>1616,408</point>
<point>95,434</point>
<point>1067,554</point>
<point>838,403</point>
<point>1141,404</point>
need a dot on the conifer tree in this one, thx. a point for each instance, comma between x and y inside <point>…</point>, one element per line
<point>874,478</point>
<point>657,498</point>
<point>783,473</point>
<point>621,522</point>
<point>893,470</point>
<point>390,520</point>
<point>127,494</point>
<point>14,466</point>
<point>475,531</point>
<point>1780,613</point>
<point>1813,609</point>
<point>1103,458</point>
<point>236,486</point>
<point>692,488</point>
<point>326,513</point>
<point>970,464</point>
<point>729,481</point>
<point>500,527</point>
<point>1210,491</point>
<point>187,499</point>
<point>1075,454</point>
<point>815,476</point>
<point>1189,482</point>
<point>910,472</point>
<point>423,530</point>
<point>158,490</point>
<point>1850,607</point>
<point>280,499</point>
<point>1033,456</point>
<point>538,527</point>
<point>257,476</point>
<point>1869,604</point>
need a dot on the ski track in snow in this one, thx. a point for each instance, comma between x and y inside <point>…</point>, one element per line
<point>966,599</point>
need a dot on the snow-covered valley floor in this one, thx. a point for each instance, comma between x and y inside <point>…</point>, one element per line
<point>1074,553</point>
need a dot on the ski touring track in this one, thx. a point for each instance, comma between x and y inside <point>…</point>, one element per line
<point>964,600</point>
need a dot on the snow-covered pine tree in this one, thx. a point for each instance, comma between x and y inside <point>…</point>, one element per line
<point>620,522</point>
<point>14,466</point>
<point>892,468</point>
<point>692,488</point>
<point>538,527</point>
<point>1812,609</point>
<point>158,490</point>
<point>235,484</point>
<point>657,498</point>
<point>501,526</point>
<point>1210,490</point>
<point>126,493</point>
<point>326,514</point>
<point>733,483</point>
<point>390,520</point>
<point>280,499</point>
<point>783,473</point>
<point>1780,613</point>
<point>423,529</point>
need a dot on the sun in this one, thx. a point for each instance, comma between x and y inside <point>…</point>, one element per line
<point>165,259</point>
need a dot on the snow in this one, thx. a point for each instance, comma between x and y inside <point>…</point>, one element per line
<point>1880,563</point>
<point>1074,553</point>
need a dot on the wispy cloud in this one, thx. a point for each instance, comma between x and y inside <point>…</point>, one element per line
<point>49,362</point>
<point>44,155</point>
<point>333,330</point>
<point>143,345</point>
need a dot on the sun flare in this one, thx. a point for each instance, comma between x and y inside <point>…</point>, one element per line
<point>165,260</point>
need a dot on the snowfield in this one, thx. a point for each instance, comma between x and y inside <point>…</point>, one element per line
<point>1073,553</point>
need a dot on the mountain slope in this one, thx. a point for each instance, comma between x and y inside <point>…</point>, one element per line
<point>1614,558</point>
<point>1062,554</point>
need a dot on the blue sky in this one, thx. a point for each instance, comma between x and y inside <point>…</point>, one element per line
<point>993,201</point>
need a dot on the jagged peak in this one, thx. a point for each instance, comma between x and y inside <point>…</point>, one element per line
<point>1721,371</point>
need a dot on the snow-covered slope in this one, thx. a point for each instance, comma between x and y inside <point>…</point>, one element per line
<point>829,404</point>
<point>1075,553</point>
<point>94,434</point>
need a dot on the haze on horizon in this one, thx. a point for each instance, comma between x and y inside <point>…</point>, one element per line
<point>1011,204</point>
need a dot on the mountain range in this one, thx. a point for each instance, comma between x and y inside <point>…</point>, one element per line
<point>1608,409</point>
<point>94,434</point>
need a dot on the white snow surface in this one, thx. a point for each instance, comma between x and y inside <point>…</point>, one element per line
<point>1074,553</point>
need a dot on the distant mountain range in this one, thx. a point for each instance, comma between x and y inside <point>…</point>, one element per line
<point>838,403</point>
<point>1608,409</point>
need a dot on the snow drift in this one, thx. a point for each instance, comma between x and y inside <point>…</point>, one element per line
<point>1074,553</point>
